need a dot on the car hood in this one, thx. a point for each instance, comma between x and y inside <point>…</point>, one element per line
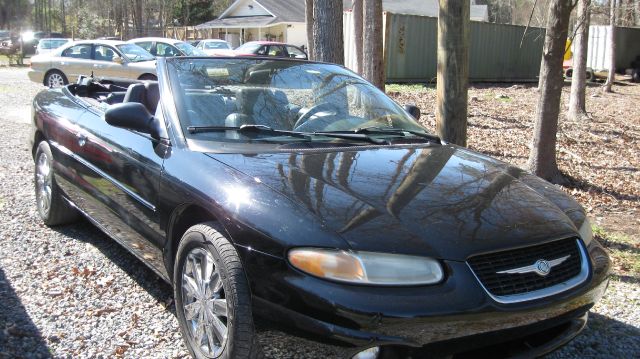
<point>441,201</point>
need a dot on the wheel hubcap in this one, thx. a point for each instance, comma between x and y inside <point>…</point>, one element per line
<point>203,302</point>
<point>56,80</point>
<point>43,183</point>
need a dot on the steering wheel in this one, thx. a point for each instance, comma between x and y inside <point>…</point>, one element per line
<point>325,106</point>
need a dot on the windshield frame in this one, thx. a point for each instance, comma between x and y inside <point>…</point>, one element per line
<point>198,142</point>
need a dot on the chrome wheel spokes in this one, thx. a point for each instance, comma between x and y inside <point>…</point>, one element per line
<point>203,302</point>
<point>55,80</point>
<point>43,183</point>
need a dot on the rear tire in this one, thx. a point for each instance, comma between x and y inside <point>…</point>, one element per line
<point>213,301</point>
<point>55,78</point>
<point>52,207</point>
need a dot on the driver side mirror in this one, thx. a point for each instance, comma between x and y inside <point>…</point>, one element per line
<point>117,59</point>
<point>413,110</point>
<point>134,116</point>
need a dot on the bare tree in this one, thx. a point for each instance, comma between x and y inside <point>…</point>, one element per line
<point>328,41</point>
<point>308,18</point>
<point>372,52</point>
<point>453,71</point>
<point>612,48</point>
<point>577,105</point>
<point>357,11</point>
<point>542,160</point>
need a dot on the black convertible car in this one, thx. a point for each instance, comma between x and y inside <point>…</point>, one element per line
<point>296,208</point>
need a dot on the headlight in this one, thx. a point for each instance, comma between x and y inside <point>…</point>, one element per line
<point>366,267</point>
<point>585,231</point>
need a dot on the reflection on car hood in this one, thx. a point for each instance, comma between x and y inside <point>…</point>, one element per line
<point>442,201</point>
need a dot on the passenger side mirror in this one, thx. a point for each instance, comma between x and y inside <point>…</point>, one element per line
<point>117,59</point>
<point>413,110</point>
<point>134,116</point>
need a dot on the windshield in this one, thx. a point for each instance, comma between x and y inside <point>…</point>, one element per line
<point>280,94</point>
<point>216,45</point>
<point>248,47</point>
<point>135,53</point>
<point>188,49</point>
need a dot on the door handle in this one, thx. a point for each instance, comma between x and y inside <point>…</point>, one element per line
<point>82,139</point>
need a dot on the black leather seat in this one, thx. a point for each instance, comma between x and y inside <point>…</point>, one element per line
<point>146,93</point>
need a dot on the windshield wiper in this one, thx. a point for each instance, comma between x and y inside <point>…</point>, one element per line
<point>267,129</point>
<point>374,129</point>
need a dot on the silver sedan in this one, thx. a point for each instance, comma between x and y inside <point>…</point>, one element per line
<point>112,60</point>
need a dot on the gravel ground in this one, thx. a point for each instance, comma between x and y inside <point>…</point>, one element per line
<point>72,292</point>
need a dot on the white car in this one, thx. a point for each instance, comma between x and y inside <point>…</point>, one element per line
<point>165,47</point>
<point>215,47</point>
<point>46,46</point>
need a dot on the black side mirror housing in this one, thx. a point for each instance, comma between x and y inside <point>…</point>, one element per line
<point>134,116</point>
<point>413,110</point>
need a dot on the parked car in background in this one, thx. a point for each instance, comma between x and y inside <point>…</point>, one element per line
<point>31,39</point>
<point>289,217</point>
<point>46,46</point>
<point>215,47</point>
<point>165,47</point>
<point>269,48</point>
<point>116,61</point>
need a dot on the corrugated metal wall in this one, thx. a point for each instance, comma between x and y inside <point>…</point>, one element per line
<point>495,53</point>
<point>627,47</point>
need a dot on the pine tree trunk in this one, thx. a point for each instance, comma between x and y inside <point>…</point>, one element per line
<point>308,17</point>
<point>372,52</point>
<point>612,48</point>
<point>453,71</point>
<point>577,106</point>
<point>328,41</point>
<point>357,31</point>
<point>542,160</point>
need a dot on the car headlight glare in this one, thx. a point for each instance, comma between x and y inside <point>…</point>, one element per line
<point>366,267</point>
<point>585,231</point>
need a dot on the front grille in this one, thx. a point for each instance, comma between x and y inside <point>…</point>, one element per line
<point>486,267</point>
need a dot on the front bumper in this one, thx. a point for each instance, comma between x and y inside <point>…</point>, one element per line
<point>299,313</point>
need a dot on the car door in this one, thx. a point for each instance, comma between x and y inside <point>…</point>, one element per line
<point>277,51</point>
<point>75,61</point>
<point>104,65</point>
<point>121,172</point>
<point>295,52</point>
<point>167,50</point>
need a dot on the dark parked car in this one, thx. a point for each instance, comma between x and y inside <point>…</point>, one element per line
<point>292,199</point>
<point>271,49</point>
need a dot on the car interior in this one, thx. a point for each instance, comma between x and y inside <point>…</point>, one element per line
<point>203,108</point>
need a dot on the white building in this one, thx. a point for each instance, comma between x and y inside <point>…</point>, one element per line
<point>283,20</point>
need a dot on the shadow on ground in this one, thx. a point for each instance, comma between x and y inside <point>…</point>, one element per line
<point>143,276</point>
<point>19,336</point>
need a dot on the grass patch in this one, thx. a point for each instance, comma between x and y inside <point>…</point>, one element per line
<point>624,251</point>
<point>407,88</point>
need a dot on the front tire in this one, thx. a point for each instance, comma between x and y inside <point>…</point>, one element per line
<point>52,207</point>
<point>213,301</point>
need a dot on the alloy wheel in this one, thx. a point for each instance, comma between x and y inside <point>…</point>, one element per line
<point>55,80</point>
<point>43,183</point>
<point>204,303</point>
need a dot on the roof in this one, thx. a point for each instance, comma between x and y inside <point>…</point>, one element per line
<point>294,10</point>
<point>280,10</point>
<point>100,42</point>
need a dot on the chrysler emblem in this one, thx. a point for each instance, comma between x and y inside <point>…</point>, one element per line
<point>541,267</point>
